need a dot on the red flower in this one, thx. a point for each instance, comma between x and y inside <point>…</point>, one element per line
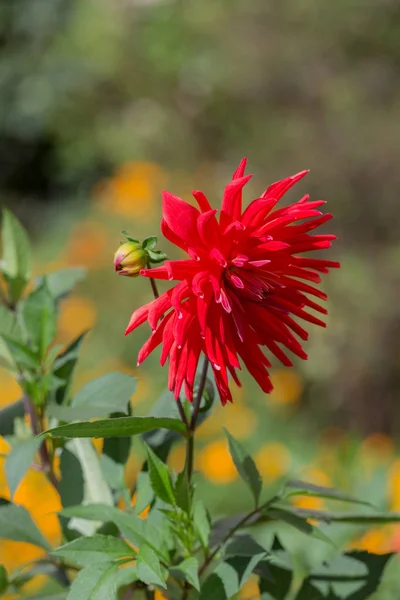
<point>241,286</point>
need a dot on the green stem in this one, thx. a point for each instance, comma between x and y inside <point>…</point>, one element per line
<point>233,530</point>
<point>46,463</point>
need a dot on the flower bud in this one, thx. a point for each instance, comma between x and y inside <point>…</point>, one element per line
<point>129,259</point>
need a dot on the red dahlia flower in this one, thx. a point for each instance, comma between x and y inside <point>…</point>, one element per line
<point>241,287</point>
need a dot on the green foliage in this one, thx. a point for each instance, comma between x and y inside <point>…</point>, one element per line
<point>97,398</point>
<point>16,524</point>
<point>19,460</point>
<point>302,488</point>
<point>39,317</point>
<point>3,580</point>
<point>120,427</point>
<point>245,466</point>
<point>97,582</point>
<point>86,551</point>
<point>148,567</point>
<point>16,257</point>
<point>160,478</point>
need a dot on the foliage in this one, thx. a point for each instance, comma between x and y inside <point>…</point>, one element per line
<point>108,550</point>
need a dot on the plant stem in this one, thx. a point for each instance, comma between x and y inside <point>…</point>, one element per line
<point>233,530</point>
<point>47,468</point>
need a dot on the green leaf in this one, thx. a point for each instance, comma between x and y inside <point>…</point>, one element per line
<point>39,316</point>
<point>96,488</point>
<point>86,551</point>
<point>63,369</point>
<point>298,522</point>
<point>187,570</point>
<point>113,473</point>
<point>156,256</point>
<point>342,517</point>
<point>309,592</point>
<point>23,356</point>
<point>9,327</point>
<point>275,580</point>
<point>389,580</point>
<point>183,492</point>
<point>8,416</point>
<point>97,398</point>
<point>3,579</point>
<point>353,576</point>
<point>145,494</point>
<point>71,486</point>
<point>148,567</point>
<point>120,427</point>
<point>221,584</point>
<point>245,466</point>
<point>202,523</point>
<point>129,237</point>
<point>62,281</point>
<point>19,460</point>
<point>97,582</point>
<point>16,261</point>
<point>303,488</point>
<point>160,478</point>
<point>16,524</point>
<point>118,448</point>
<point>150,243</point>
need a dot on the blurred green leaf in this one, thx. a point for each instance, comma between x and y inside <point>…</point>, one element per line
<point>156,256</point>
<point>39,316</point>
<point>63,369</point>
<point>19,460</point>
<point>374,518</point>
<point>275,579</point>
<point>16,258</point>
<point>114,474</point>
<point>202,523</point>
<point>309,592</point>
<point>187,570</point>
<point>121,427</point>
<point>108,393</point>
<point>61,282</point>
<point>118,448</point>
<point>245,466</point>
<point>389,582</point>
<point>144,491</point>
<point>183,492</point>
<point>71,485</point>
<point>16,524</point>
<point>8,416</point>
<point>160,478</point>
<point>298,522</point>
<point>303,488</point>
<point>86,551</point>
<point>97,582</point>
<point>23,356</point>
<point>150,243</point>
<point>3,579</point>
<point>148,567</point>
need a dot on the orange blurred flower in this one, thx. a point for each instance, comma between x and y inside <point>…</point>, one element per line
<point>318,477</point>
<point>77,314</point>
<point>273,460</point>
<point>10,390</point>
<point>90,245</point>
<point>216,463</point>
<point>132,190</point>
<point>288,387</point>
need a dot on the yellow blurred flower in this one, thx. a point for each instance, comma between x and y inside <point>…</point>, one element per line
<point>377,448</point>
<point>237,418</point>
<point>132,190</point>
<point>318,477</point>
<point>216,464</point>
<point>77,314</point>
<point>288,387</point>
<point>39,497</point>
<point>9,388</point>
<point>273,460</point>
<point>159,596</point>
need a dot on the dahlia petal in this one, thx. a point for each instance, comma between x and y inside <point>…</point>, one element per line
<point>219,257</point>
<point>279,188</point>
<point>157,308</point>
<point>138,317</point>
<point>152,343</point>
<point>232,201</point>
<point>171,236</point>
<point>181,218</point>
<point>179,292</point>
<point>168,338</point>
<point>241,169</point>
<point>156,273</point>
<point>278,352</point>
<point>208,229</point>
<point>257,211</point>
<point>202,201</point>
<point>180,269</point>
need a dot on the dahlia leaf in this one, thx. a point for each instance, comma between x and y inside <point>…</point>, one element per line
<point>39,316</point>
<point>63,369</point>
<point>17,524</point>
<point>19,460</point>
<point>145,494</point>
<point>183,492</point>
<point>97,582</point>
<point>148,567</point>
<point>16,260</point>
<point>8,416</point>
<point>71,486</point>
<point>373,518</point>
<point>298,522</point>
<point>245,466</point>
<point>202,523</point>
<point>160,478</point>
<point>303,488</point>
<point>61,282</point>
<point>187,571</point>
<point>120,427</point>
<point>86,551</point>
<point>150,243</point>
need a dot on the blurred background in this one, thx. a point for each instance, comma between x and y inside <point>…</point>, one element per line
<point>104,103</point>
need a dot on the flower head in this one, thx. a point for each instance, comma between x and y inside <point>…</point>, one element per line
<point>129,259</point>
<point>242,288</point>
